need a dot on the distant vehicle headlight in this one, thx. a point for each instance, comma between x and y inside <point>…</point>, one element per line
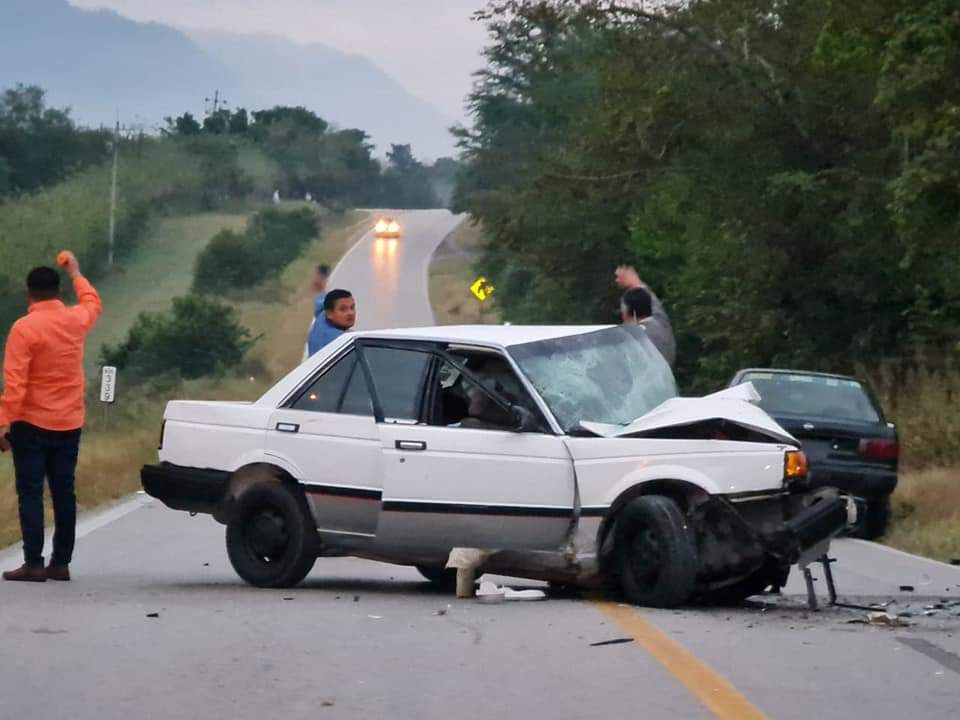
<point>381,226</point>
<point>394,227</point>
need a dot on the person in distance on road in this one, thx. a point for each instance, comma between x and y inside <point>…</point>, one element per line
<point>42,412</point>
<point>641,306</point>
<point>321,277</point>
<point>340,315</point>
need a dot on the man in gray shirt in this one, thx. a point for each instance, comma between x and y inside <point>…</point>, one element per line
<point>641,306</point>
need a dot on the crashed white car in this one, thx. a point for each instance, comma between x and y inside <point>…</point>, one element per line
<point>562,452</point>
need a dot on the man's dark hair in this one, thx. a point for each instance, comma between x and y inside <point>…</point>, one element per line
<point>323,270</point>
<point>638,303</point>
<point>43,283</point>
<point>333,297</point>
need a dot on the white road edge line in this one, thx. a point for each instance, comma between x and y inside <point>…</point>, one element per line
<point>939,563</point>
<point>90,521</point>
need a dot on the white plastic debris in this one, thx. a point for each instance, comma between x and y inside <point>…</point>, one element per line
<point>523,595</point>
<point>490,593</point>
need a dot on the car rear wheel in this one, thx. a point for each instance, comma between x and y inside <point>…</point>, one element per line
<point>655,552</point>
<point>877,518</point>
<point>269,537</point>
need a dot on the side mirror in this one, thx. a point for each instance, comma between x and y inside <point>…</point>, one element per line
<point>524,420</point>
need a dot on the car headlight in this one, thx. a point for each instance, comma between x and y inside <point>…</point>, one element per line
<point>381,226</point>
<point>394,227</point>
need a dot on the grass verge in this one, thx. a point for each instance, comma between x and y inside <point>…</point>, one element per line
<point>452,272</point>
<point>926,514</point>
<point>119,439</point>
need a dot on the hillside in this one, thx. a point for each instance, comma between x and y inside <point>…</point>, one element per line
<point>101,64</point>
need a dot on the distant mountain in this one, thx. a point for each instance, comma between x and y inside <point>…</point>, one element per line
<point>101,63</point>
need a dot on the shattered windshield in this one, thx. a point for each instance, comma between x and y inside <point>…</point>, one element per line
<point>610,376</point>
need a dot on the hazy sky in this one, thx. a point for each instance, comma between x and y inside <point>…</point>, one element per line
<point>430,46</point>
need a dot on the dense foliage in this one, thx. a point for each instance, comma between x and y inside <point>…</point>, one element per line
<point>785,172</point>
<point>39,145</point>
<point>271,241</point>
<point>198,337</point>
<point>335,166</point>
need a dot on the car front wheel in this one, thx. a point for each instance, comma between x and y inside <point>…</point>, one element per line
<point>269,537</point>
<point>655,552</point>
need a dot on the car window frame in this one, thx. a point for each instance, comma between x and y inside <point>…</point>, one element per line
<point>362,344</point>
<point>444,357</point>
<point>304,387</point>
<point>438,351</point>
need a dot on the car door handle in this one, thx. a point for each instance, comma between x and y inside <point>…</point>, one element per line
<point>288,427</point>
<point>411,445</point>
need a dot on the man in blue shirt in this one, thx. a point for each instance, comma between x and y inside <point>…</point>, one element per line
<point>319,285</point>
<point>339,315</point>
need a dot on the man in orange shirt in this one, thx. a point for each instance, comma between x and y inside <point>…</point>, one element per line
<point>42,412</point>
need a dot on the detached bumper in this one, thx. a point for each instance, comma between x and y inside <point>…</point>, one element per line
<point>180,488</point>
<point>737,539</point>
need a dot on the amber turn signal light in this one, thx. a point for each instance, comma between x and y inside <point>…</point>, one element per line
<point>795,465</point>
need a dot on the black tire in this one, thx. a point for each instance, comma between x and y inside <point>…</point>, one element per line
<point>269,538</point>
<point>656,553</point>
<point>877,517</point>
<point>442,577</point>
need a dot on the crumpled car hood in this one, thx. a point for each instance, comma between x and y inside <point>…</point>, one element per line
<point>735,405</point>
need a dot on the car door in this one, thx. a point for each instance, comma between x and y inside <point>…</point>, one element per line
<point>326,437</point>
<point>446,486</point>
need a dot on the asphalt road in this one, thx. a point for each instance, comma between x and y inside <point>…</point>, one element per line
<point>156,624</point>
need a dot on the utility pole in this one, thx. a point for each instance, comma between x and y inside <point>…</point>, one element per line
<point>113,194</point>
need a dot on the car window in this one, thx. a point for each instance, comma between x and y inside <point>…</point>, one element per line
<point>459,402</point>
<point>398,378</point>
<point>341,389</point>
<point>804,395</point>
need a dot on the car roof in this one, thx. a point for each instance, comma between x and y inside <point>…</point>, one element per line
<point>503,336</point>
<point>784,371</point>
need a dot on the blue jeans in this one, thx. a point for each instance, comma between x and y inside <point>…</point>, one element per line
<point>39,454</point>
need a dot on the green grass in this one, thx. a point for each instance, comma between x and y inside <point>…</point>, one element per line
<point>452,271</point>
<point>160,268</point>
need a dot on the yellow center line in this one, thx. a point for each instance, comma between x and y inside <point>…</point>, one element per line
<point>707,685</point>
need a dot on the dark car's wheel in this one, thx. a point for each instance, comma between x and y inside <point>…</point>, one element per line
<point>877,518</point>
<point>269,538</point>
<point>655,552</point>
<point>444,578</point>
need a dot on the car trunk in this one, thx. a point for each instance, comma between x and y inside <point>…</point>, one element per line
<point>831,441</point>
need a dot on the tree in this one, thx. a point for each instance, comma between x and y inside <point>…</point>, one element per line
<point>41,145</point>
<point>185,125</point>
<point>779,171</point>
<point>239,122</point>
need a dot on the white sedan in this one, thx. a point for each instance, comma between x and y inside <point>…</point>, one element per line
<point>561,452</point>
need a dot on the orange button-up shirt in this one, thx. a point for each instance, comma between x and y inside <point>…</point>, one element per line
<point>43,362</point>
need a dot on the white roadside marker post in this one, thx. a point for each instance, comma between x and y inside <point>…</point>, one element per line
<point>108,389</point>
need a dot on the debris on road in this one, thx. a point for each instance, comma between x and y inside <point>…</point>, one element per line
<point>523,595</point>
<point>617,641</point>
<point>153,615</point>
<point>443,611</point>
<point>490,593</point>
<point>356,598</point>
<point>907,588</point>
<point>886,619</point>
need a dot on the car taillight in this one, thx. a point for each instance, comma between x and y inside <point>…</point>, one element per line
<point>163,429</point>
<point>795,466</point>
<point>879,449</point>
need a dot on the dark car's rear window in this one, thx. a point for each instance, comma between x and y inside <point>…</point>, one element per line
<point>813,395</point>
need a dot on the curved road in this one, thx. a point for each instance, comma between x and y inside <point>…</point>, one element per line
<point>156,624</point>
